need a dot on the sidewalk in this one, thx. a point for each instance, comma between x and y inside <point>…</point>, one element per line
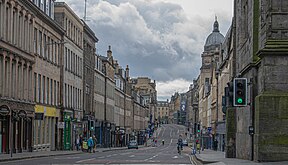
<point>218,158</point>
<point>39,154</point>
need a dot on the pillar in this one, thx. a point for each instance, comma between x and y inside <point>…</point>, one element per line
<point>4,74</point>
<point>17,30</point>
<point>11,32</point>
<point>9,79</point>
<point>27,85</point>
<point>16,79</point>
<point>22,81</point>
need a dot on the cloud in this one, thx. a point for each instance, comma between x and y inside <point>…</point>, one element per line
<point>168,88</point>
<point>156,38</point>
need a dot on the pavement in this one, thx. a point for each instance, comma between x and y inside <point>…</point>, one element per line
<point>39,154</point>
<point>212,157</point>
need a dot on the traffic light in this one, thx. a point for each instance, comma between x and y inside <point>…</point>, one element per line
<point>91,125</point>
<point>240,92</point>
<point>198,128</point>
<point>195,127</point>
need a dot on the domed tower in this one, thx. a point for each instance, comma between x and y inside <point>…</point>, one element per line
<point>215,38</point>
<point>212,45</point>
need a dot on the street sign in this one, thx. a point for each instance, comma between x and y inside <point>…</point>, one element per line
<point>4,110</point>
<point>60,125</point>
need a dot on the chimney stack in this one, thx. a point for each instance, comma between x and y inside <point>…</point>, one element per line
<point>127,72</point>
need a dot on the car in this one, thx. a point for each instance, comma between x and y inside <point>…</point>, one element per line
<point>132,144</point>
<point>185,143</point>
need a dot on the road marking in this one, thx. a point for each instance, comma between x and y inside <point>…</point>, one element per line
<point>115,154</point>
<point>85,160</point>
<point>151,158</point>
<point>175,157</point>
<point>108,156</point>
<point>101,157</point>
<point>132,156</point>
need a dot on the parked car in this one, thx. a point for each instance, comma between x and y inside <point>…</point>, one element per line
<point>185,143</point>
<point>132,144</point>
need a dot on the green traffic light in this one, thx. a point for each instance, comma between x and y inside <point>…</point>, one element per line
<point>239,100</point>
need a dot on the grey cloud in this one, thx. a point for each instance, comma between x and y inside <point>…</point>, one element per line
<point>155,38</point>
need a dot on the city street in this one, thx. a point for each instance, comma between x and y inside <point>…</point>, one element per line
<point>159,154</point>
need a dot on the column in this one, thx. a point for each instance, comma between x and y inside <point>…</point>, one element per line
<point>32,84</point>
<point>9,79</point>
<point>17,32</point>
<point>30,24</point>
<point>11,28</point>
<point>27,82</point>
<point>3,20</point>
<point>23,35</point>
<point>4,73</point>
<point>16,79</point>
<point>22,80</point>
<point>22,140</point>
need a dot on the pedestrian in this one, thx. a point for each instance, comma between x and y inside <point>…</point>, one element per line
<point>81,142</point>
<point>90,144</point>
<point>77,143</point>
<point>198,147</point>
<point>95,143</point>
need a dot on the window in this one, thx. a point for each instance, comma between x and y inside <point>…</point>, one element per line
<point>43,89</point>
<point>40,44</point>
<point>65,95</point>
<point>48,45</point>
<point>51,91</point>
<point>48,90</point>
<point>58,88</point>
<point>35,40</point>
<point>35,87</point>
<point>52,9</point>
<point>39,98</point>
<point>55,92</point>
<point>45,46</point>
<point>65,61</point>
<point>42,5</point>
<point>52,50</point>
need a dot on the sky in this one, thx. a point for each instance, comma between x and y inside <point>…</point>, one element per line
<point>159,39</point>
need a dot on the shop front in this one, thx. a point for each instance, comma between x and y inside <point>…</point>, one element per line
<point>45,128</point>
<point>15,127</point>
<point>67,130</point>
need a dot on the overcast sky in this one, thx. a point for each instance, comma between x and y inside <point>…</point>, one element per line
<point>159,39</point>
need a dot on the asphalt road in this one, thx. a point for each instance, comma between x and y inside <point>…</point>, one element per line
<point>160,154</point>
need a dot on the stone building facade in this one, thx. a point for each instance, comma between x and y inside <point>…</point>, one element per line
<point>47,38</point>
<point>192,115</point>
<point>208,107</point>
<point>261,57</point>
<point>162,113</point>
<point>88,79</point>
<point>71,84</point>
<point>17,65</point>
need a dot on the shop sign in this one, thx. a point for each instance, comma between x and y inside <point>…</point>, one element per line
<point>4,110</point>
<point>60,125</point>
<point>22,114</point>
<point>39,116</point>
<point>47,111</point>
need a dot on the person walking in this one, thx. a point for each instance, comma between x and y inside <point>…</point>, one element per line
<point>90,144</point>
<point>95,143</point>
<point>77,143</point>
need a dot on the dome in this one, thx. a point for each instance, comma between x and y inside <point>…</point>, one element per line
<point>215,37</point>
